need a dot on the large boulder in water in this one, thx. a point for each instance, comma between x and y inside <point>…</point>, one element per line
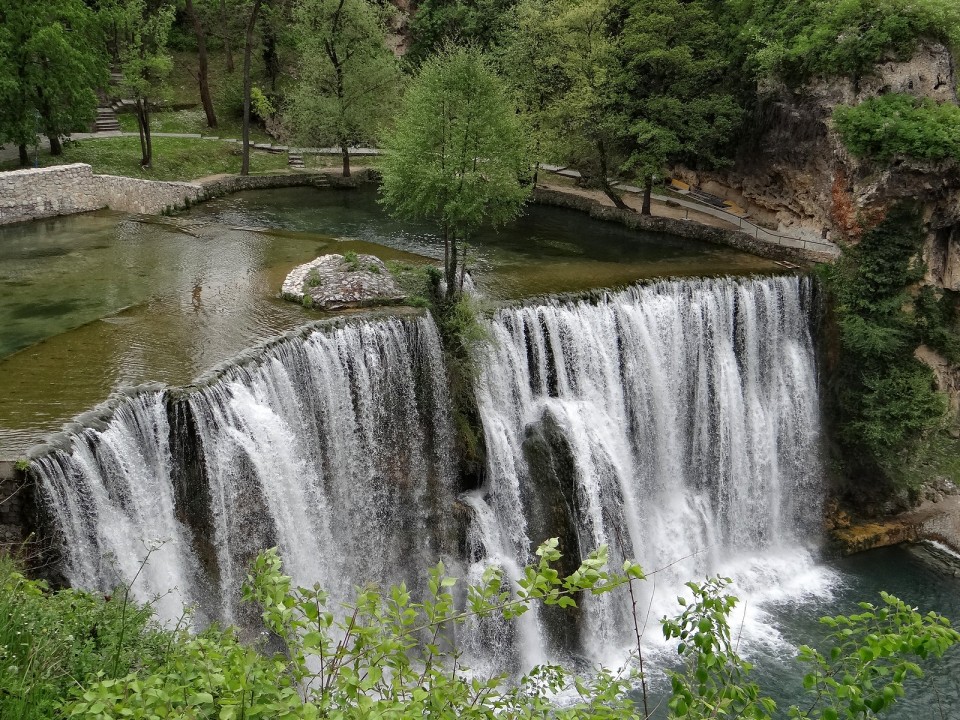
<point>338,282</point>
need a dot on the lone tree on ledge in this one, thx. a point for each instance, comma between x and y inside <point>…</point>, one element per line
<point>457,155</point>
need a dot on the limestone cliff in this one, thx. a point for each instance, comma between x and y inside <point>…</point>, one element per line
<point>795,175</point>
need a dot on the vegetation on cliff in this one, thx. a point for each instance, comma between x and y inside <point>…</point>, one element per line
<point>393,653</point>
<point>900,126</point>
<point>891,422</point>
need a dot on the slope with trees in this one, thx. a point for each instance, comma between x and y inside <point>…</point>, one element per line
<point>347,77</point>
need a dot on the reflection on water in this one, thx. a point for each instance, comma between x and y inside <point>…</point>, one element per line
<point>95,302</point>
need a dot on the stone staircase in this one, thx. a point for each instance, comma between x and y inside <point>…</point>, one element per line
<point>295,160</point>
<point>106,120</point>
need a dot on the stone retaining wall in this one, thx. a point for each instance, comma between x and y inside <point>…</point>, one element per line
<point>148,197</point>
<point>45,192</point>
<point>34,194</point>
<point>682,228</point>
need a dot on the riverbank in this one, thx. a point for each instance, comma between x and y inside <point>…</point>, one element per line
<point>934,520</point>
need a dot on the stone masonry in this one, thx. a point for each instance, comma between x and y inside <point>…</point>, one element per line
<point>34,194</point>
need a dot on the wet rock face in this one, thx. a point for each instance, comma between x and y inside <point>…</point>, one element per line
<point>338,282</point>
<point>795,175</point>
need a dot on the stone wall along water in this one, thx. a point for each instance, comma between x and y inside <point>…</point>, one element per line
<point>34,194</point>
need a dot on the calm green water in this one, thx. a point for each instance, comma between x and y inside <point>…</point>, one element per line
<point>903,571</point>
<point>93,303</point>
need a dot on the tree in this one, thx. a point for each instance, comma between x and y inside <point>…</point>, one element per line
<point>474,22</point>
<point>581,120</point>
<point>347,75</point>
<point>247,53</point>
<point>526,59</point>
<point>672,81</point>
<point>143,27</point>
<point>50,65</point>
<point>457,154</point>
<point>202,64</point>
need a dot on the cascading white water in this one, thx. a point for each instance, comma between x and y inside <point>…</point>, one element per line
<point>677,423</point>
<point>113,500</point>
<point>349,467</point>
<point>335,447</point>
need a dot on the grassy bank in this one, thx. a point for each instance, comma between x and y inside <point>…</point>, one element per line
<point>174,158</point>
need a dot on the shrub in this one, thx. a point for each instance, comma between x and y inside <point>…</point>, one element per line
<point>896,125</point>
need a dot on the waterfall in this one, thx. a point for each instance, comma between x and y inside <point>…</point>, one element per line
<point>676,423</point>
<point>336,447</point>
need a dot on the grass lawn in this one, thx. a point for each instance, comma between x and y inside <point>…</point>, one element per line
<point>176,158</point>
<point>173,158</point>
<point>194,121</point>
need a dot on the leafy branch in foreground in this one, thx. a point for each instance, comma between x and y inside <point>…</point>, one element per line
<point>389,655</point>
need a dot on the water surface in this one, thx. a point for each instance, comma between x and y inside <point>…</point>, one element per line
<point>92,303</point>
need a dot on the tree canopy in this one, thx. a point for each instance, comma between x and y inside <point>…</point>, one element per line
<point>51,62</point>
<point>347,75</point>
<point>457,154</point>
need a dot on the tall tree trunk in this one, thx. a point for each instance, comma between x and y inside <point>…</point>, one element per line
<point>452,271</point>
<point>647,192</point>
<point>271,59</point>
<point>345,151</point>
<point>202,69</point>
<point>146,131</point>
<point>143,138</point>
<point>143,126</point>
<point>227,47</point>
<point>604,181</point>
<point>247,51</point>
<point>24,157</point>
<point>56,149</point>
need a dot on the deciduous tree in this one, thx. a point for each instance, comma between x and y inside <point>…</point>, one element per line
<point>51,63</point>
<point>348,77</point>
<point>458,154</point>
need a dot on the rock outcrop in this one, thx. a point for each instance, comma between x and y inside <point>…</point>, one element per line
<point>338,282</point>
<point>795,174</point>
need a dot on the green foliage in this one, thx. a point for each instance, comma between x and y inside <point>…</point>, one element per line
<point>347,77</point>
<point>872,654</point>
<point>22,464</point>
<point>142,28</point>
<point>796,39</point>
<point>50,640</point>
<point>466,22</point>
<point>351,260</point>
<point>938,320</point>
<point>674,88</point>
<point>457,155</point>
<point>51,63</point>
<point>714,680</point>
<point>895,125</point>
<point>314,279</point>
<point>418,282</point>
<point>887,408</point>
<point>392,653</point>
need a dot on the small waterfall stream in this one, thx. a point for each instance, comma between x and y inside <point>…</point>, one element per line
<point>677,423</point>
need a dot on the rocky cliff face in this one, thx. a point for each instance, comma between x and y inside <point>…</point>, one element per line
<point>796,175</point>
